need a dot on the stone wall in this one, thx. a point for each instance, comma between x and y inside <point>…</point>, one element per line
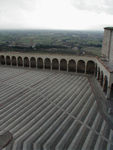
<point>107,46</point>
<point>111,47</point>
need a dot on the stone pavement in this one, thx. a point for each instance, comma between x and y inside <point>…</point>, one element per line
<point>5,139</point>
<point>103,104</point>
<point>51,110</point>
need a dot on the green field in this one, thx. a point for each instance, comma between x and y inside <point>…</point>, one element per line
<point>76,42</point>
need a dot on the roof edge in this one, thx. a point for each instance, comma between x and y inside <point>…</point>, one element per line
<point>108,28</point>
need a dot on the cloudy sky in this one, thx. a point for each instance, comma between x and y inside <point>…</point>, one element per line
<point>56,14</point>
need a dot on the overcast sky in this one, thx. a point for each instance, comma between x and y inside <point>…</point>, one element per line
<point>56,14</point>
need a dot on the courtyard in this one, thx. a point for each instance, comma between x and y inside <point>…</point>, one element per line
<point>51,110</point>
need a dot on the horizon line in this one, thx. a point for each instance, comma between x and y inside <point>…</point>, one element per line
<point>50,29</point>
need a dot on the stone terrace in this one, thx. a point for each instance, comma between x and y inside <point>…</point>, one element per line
<point>51,110</point>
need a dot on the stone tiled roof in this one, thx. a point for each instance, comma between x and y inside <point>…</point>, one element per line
<point>107,64</point>
<point>47,110</point>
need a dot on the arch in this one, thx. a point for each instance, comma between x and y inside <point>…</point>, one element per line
<point>81,66</point>
<point>72,65</point>
<point>26,62</point>
<point>101,78</point>
<point>33,62</point>
<point>98,73</point>
<point>40,63</point>
<point>55,64</point>
<point>2,60</point>
<point>8,61</point>
<point>111,92</point>
<point>47,63</point>
<point>63,64</point>
<point>90,68</point>
<point>20,61</point>
<point>105,87</point>
<point>14,63</point>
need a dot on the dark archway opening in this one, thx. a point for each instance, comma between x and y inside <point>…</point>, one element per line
<point>98,74</point>
<point>20,62</point>
<point>55,64</point>
<point>90,68</point>
<point>105,84</point>
<point>81,66</point>
<point>26,62</point>
<point>111,92</point>
<point>14,63</point>
<point>101,78</point>
<point>96,71</point>
<point>47,63</point>
<point>2,60</point>
<point>8,61</point>
<point>33,62</point>
<point>72,66</point>
<point>63,65</point>
<point>40,63</point>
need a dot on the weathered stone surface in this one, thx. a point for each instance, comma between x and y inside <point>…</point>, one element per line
<point>5,139</point>
<point>107,47</point>
<point>46,110</point>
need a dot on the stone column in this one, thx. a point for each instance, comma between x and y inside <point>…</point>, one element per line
<point>17,62</point>
<point>59,67</point>
<point>11,61</point>
<point>97,76</point>
<point>108,92</point>
<point>67,67</point>
<point>85,68</point>
<point>23,63</point>
<point>29,64</point>
<point>51,66</point>
<point>43,66</point>
<point>5,62</point>
<point>36,65</point>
